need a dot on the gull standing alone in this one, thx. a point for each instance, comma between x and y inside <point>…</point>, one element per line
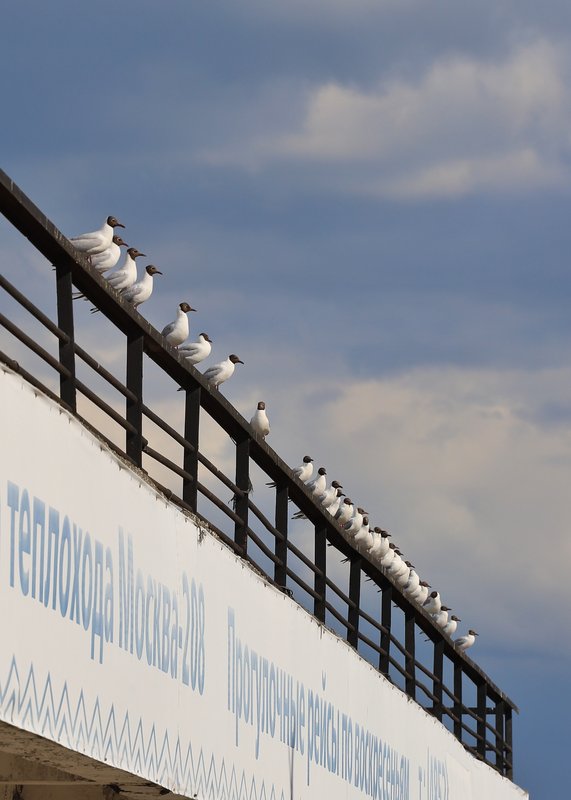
<point>177,331</point>
<point>219,373</point>
<point>142,290</point>
<point>260,422</point>
<point>96,241</point>
<point>195,352</point>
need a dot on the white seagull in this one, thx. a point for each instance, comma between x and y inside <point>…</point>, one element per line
<point>334,507</point>
<point>195,352</point>
<point>356,521</point>
<point>451,625</point>
<point>441,619</point>
<point>318,484</point>
<point>142,290</point>
<point>330,495</point>
<point>303,472</point>
<point>260,422</point>
<point>421,593</point>
<point>96,241</point>
<point>109,257</point>
<point>126,274</point>
<point>432,604</point>
<point>219,373</point>
<point>345,512</point>
<point>464,642</point>
<point>177,331</point>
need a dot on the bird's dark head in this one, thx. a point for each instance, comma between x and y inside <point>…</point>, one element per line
<point>206,337</point>
<point>261,406</point>
<point>152,270</point>
<point>473,633</point>
<point>119,241</point>
<point>235,359</point>
<point>336,485</point>
<point>307,459</point>
<point>113,222</point>
<point>348,501</point>
<point>366,521</point>
<point>434,594</point>
<point>455,618</point>
<point>185,307</point>
<point>321,471</point>
<point>134,253</point>
<point>445,608</point>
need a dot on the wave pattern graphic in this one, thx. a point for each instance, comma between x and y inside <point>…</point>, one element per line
<point>77,723</point>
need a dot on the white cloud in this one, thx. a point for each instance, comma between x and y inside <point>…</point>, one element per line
<point>464,125</point>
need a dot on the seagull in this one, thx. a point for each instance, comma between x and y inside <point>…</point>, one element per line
<point>260,422</point>
<point>381,544</point>
<point>421,593</point>
<point>355,522</point>
<point>195,352</point>
<point>219,373</point>
<point>177,331</point>
<point>330,495</point>
<point>451,625</point>
<point>96,241</point>
<point>345,512</point>
<point>387,559</point>
<point>142,290</point>
<point>109,257</point>
<point>318,484</point>
<point>412,584</point>
<point>441,619</point>
<point>403,577</point>
<point>126,275</point>
<point>464,642</point>
<point>334,507</point>
<point>303,472</point>
<point>362,537</point>
<point>432,604</point>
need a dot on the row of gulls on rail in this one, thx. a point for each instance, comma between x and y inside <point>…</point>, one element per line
<point>374,544</point>
<point>103,249</point>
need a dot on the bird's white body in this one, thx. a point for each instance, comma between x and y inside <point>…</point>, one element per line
<point>403,576</point>
<point>260,422</point>
<point>386,560</point>
<point>219,373</point>
<point>345,513</point>
<point>464,642</point>
<point>354,523</point>
<point>107,259</point>
<point>362,536</point>
<point>125,276</point>
<point>412,584</point>
<point>450,628</point>
<point>195,352</point>
<point>317,485</point>
<point>441,619</point>
<point>304,471</point>
<point>432,605</point>
<point>177,331</point>
<point>94,242</point>
<point>420,595</point>
<point>140,291</point>
<point>334,507</point>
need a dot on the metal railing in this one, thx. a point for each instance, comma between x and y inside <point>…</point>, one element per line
<point>333,581</point>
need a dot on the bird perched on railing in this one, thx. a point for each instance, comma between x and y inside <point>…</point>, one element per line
<point>432,604</point>
<point>195,352</point>
<point>345,511</point>
<point>109,257</point>
<point>260,422</point>
<point>451,625</point>
<point>219,373</point>
<point>303,472</point>
<point>139,292</point>
<point>96,241</point>
<point>464,642</point>
<point>441,619</point>
<point>125,275</point>
<point>177,331</point>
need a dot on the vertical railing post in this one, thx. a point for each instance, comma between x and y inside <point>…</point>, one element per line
<point>410,659</point>
<point>438,671</point>
<point>509,767</point>
<point>281,523</point>
<point>64,301</point>
<point>355,598</point>
<point>500,744</point>
<point>321,564</point>
<point>386,616</point>
<point>458,730</point>
<point>243,483</point>
<point>481,706</point>
<point>134,406</point>
<point>190,457</point>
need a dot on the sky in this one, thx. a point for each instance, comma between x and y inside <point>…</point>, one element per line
<point>368,201</point>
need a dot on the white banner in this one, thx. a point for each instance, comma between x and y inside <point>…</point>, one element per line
<point>135,637</point>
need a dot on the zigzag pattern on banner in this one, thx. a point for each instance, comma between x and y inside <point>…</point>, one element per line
<point>39,707</point>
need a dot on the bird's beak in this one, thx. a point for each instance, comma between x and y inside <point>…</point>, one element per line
<point>119,225</point>
<point>192,309</point>
<point>158,272</point>
<point>239,362</point>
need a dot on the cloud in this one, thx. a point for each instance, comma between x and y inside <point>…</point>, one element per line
<point>464,125</point>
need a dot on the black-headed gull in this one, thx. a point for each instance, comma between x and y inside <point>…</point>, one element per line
<point>432,604</point>
<point>195,352</point>
<point>96,241</point>
<point>142,290</point>
<point>464,642</point>
<point>109,257</point>
<point>451,625</point>
<point>177,331</point>
<point>125,275</point>
<point>260,422</point>
<point>218,373</point>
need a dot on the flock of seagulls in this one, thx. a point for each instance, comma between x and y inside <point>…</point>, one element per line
<point>374,544</point>
<point>103,247</point>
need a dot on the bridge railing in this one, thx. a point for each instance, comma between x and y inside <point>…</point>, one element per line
<point>309,559</point>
